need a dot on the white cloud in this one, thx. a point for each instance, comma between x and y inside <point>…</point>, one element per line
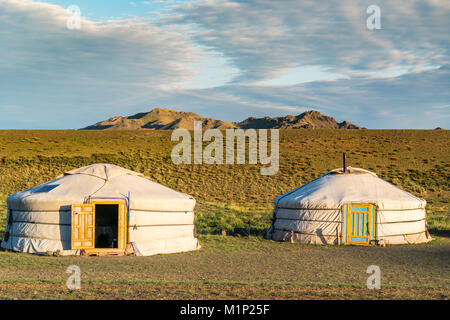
<point>126,51</point>
<point>263,38</point>
<point>52,77</point>
<point>55,77</point>
<point>418,100</point>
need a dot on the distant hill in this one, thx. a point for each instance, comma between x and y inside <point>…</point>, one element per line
<point>160,119</point>
<point>306,120</point>
<point>167,119</point>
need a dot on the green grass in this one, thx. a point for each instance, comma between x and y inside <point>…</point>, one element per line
<point>237,196</point>
<point>230,195</point>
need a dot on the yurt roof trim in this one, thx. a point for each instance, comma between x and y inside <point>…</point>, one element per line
<point>103,171</point>
<point>351,170</point>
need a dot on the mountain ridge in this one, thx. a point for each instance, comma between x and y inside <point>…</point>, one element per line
<point>168,119</point>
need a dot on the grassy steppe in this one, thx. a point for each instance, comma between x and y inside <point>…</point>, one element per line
<point>231,196</point>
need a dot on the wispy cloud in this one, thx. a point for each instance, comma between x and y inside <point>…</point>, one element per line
<point>49,72</point>
<point>263,38</point>
<point>415,100</point>
<point>229,60</point>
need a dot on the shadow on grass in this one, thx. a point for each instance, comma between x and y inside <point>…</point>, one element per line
<point>439,233</point>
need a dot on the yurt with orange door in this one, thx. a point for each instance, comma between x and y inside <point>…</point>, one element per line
<point>351,206</point>
<point>100,208</point>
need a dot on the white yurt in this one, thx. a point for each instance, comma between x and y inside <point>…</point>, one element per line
<point>351,206</point>
<point>100,208</point>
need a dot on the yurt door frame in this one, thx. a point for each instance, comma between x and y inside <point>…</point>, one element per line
<point>359,223</point>
<point>83,227</point>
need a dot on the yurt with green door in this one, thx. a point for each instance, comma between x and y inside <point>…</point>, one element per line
<point>100,209</point>
<point>351,206</point>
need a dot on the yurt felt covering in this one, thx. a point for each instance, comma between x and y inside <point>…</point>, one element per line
<point>313,213</point>
<point>161,219</point>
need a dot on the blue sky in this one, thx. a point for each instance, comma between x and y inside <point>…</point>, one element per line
<point>226,59</point>
<point>101,10</point>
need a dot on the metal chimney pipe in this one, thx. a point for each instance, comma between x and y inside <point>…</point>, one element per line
<point>344,166</point>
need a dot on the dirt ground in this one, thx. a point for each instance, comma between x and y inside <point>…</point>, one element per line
<point>237,268</point>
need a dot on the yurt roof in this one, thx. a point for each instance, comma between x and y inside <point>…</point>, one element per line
<point>336,188</point>
<point>101,181</point>
<point>103,171</point>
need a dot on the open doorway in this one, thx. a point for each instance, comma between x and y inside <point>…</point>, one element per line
<point>106,225</point>
<point>100,227</point>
